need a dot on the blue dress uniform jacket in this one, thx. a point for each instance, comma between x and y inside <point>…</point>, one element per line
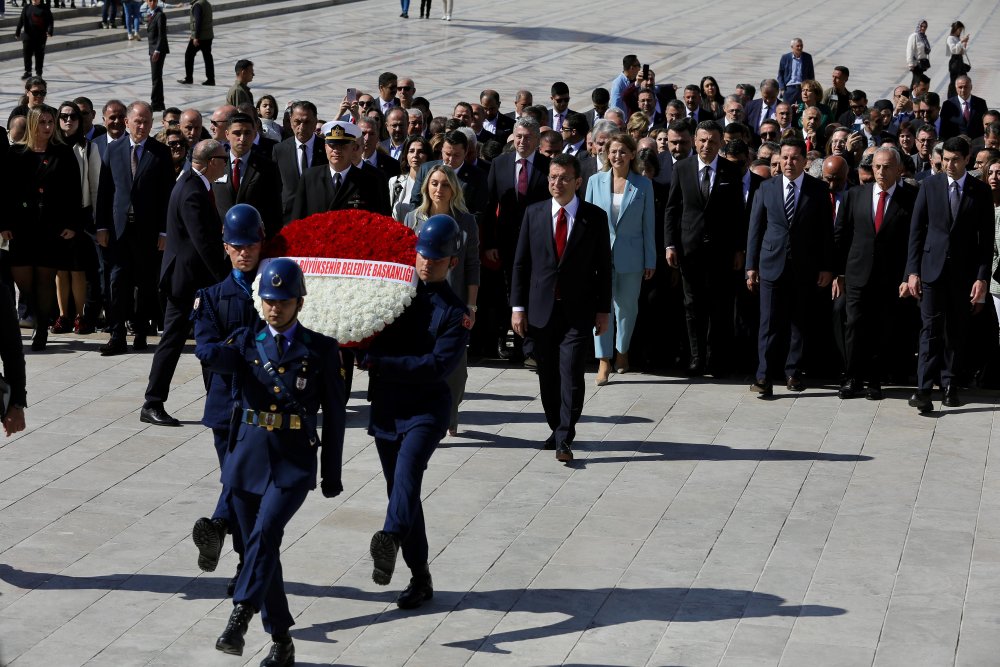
<point>219,311</point>
<point>310,369</point>
<point>410,361</point>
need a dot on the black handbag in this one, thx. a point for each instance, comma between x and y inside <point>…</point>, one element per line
<point>925,64</point>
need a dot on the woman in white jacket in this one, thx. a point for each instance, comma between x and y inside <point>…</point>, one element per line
<point>918,51</point>
<point>73,283</point>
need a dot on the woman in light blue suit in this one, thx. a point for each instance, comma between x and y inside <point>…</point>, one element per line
<point>627,198</point>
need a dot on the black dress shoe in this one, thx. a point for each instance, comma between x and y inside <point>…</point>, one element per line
<point>208,83</point>
<point>795,384</point>
<point>951,399</point>
<point>921,401</point>
<point>694,368</point>
<point>850,389</point>
<point>209,535</point>
<point>383,549</point>
<point>157,416</point>
<point>139,343</point>
<point>550,442</point>
<point>231,586</point>
<point>874,392</point>
<point>564,454</point>
<point>763,388</point>
<point>113,347</point>
<point>231,640</point>
<point>503,352</point>
<point>282,654</point>
<point>420,590</point>
<point>185,82</point>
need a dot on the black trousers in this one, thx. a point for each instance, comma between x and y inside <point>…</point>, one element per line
<point>784,315</point>
<point>561,349</point>
<point>205,46</point>
<point>156,70</point>
<point>945,312</point>
<point>176,326</point>
<point>36,48</point>
<point>871,331</point>
<point>709,307</point>
<point>135,268</point>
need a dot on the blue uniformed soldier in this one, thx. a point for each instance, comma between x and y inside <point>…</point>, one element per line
<point>286,374</point>
<point>220,310</point>
<point>408,365</point>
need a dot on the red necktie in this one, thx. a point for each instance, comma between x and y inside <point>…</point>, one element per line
<point>809,145</point>
<point>236,176</point>
<point>833,206</point>
<point>562,231</point>
<point>880,211</point>
<point>965,112</point>
<point>522,179</point>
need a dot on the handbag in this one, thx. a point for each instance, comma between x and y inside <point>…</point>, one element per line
<point>925,64</point>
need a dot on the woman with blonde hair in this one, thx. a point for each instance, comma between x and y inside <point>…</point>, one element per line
<point>441,194</point>
<point>638,124</point>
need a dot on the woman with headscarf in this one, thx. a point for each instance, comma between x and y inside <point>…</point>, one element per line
<point>918,51</point>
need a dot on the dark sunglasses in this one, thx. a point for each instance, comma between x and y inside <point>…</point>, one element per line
<point>366,103</point>
<point>406,89</point>
<point>175,144</point>
<point>69,116</point>
<point>38,93</point>
<point>561,99</point>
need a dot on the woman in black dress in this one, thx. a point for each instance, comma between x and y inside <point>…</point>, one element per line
<point>41,214</point>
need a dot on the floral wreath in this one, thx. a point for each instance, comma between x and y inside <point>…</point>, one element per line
<point>358,268</point>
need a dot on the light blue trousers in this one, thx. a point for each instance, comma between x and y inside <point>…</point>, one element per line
<point>625,301</point>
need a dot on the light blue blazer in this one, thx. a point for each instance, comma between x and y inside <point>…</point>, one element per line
<point>633,239</point>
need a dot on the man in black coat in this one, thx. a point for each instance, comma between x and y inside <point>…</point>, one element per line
<point>454,150</point>
<point>192,260</point>
<point>871,235</point>
<point>297,153</point>
<point>501,125</point>
<point>250,177</point>
<point>963,113</point>
<point>156,33</point>
<point>948,268</point>
<point>338,184</point>
<point>561,295</point>
<point>12,355</point>
<point>706,241</point>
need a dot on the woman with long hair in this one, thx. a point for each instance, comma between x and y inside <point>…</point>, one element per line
<point>416,151</point>
<point>628,199</point>
<point>712,100</point>
<point>42,214</point>
<point>72,282</point>
<point>270,124</point>
<point>441,194</point>
<point>957,47</point>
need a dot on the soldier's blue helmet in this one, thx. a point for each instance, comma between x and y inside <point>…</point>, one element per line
<point>281,279</point>
<point>439,237</point>
<point>243,226</point>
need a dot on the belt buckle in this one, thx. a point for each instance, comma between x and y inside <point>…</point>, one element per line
<point>269,420</point>
<point>294,422</point>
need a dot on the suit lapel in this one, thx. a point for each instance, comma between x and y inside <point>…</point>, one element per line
<point>627,198</point>
<point>574,234</point>
<point>249,175</point>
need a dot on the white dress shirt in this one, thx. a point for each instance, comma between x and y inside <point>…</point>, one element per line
<point>309,153</point>
<point>798,187</point>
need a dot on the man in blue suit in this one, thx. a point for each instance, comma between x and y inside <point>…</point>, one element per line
<point>789,254</point>
<point>794,68</point>
<point>948,268</point>
<point>287,373</point>
<point>137,177</point>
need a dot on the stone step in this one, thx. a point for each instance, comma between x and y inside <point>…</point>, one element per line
<point>77,28</point>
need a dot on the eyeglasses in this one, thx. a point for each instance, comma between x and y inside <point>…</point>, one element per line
<point>406,89</point>
<point>69,116</point>
<point>175,144</point>
<point>769,134</point>
<point>38,93</point>
<point>561,179</point>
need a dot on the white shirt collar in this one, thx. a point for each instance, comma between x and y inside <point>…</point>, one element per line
<point>797,181</point>
<point>204,179</point>
<point>714,164</point>
<point>960,181</point>
<point>571,208</point>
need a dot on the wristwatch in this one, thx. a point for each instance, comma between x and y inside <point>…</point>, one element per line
<point>473,307</point>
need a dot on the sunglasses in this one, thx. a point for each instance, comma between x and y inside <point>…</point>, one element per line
<point>69,116</point>
<point>38,93</point>
<point>406,89</point>
<point>561,99</point>
<point>175,144</point>
<point>365,103</point>
<point>217,123</point>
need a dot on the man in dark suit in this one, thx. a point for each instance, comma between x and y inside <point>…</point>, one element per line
<point>156,33</point>
<point>794,68</point>
<point>338,184</point>
<point>574,135</point>
<point>706,242</point>
<point>114,114</point>
<point>789,254</point>
<point>948,268</point>
<point>679,146</point>
<point>250,177</point>
<point>762,108</point>
<point>297,153</point>
<point>963,114</point>
<point>501,125</point>
<point>454,150</point>
<point>560,105</point>
<point>561,295</point>
<point>871,237</point>
<point>192,260</point>
<point>516,180</point>
<point>136,179</point>
<point>370,153</point>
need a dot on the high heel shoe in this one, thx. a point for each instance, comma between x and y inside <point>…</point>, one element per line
<point>621,363</point>
<point>603,372</point>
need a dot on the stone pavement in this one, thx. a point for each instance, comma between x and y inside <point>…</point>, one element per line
<point>699,525</point>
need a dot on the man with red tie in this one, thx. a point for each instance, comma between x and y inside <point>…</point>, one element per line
<point>561,294</point>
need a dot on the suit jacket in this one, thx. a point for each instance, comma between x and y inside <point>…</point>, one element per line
<point>265,147</point>
<point>504,127</point>
<point>588,167</point>
<point>805,245</point>
<point>286,156</point>
<point>785,69</point>
<point>505,210</point>
<point>101,143</point>
<point>864,256</point>
<point>360,190</point>
<point>473,180</point>
<point>582,277</point>
<point>633,234</point>
<point>953,122</point>
<point>754,112</point>
<point>260,186</point>
<point>386,165</point>
<point>666,174</point>
<point>664,93</point>
<point>148,193</point>
<point>963,245</point>
<point>156,32</point>
<point>692,223</point>
<point>485,135</point>
<point>193,257</point>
